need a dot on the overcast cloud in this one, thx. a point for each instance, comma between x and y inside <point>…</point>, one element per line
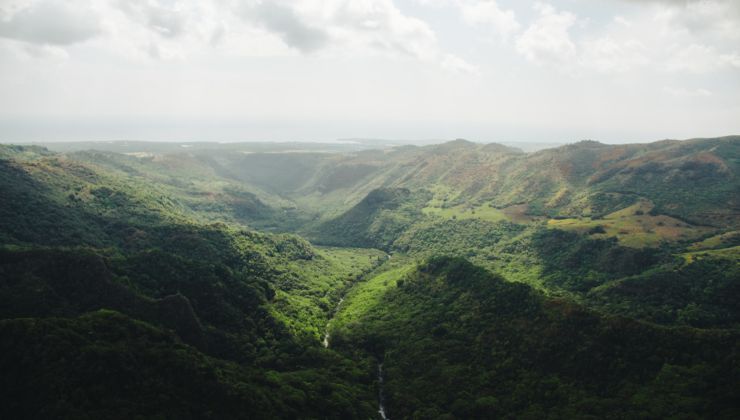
<point>54,22</point>
<point>560,70</point>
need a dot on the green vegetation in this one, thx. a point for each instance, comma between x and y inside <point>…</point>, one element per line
<point>311,288</point>
<point>461,212</point>
<point>367,296</point>
<point>457,341</point>
<point>634,226</point>
<point>158,281</point>
<point>376,221</point>
<point>106,365</point>
<point>699,289</point>
<point>241,312</point>
<point>726,239</point>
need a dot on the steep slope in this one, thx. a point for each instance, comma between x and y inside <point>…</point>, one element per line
<point>199,185</point>
<point>694,180</point>
<point>700,289</point>
<point>620,274</point>
<point>107,365</point>
<point>218,300</point>
<point>153,248</point>
<point>590,215</point>
<point>458,342</point>
<point>376,221</point>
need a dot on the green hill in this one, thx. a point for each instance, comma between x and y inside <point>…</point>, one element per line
<point>376,221</point>
<point>457,341</point>
<point>581,179</point>
<point>78,238</point>
<point>146,280</point>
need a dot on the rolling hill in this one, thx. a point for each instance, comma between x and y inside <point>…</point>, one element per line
<point>457,280</point>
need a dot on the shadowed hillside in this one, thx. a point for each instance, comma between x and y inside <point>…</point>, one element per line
<point>457,341</point>
<point>457,280</point>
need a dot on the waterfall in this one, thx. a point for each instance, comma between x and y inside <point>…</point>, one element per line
<point>381,397</point>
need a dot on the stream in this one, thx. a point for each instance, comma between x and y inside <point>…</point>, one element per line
<point>381,397</point>
<point>325,342</point>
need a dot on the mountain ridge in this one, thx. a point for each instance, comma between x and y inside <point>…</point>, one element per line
<point>501,281</point>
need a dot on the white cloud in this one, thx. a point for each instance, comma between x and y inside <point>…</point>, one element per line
<point>547,39</point>
<point>700,59</point>
<point>716,19</point>
<point>437,3</point>
<point>356,27</point>
<point>52,22</point>
<point>666,68</point>
<point>488,13</point>
<point>457,64</point>
<point>692,37</point>
<point>380,25</point>
<point>351,28</point>
<point>26,51</point>
<point>159,29</point>
<point>168,20</point>
<point>609,55</point>
<point>680,92</point>
<point>283,20</point>
<point>693,58</point>
<point>618,47</point>
<point>732,59</point>
<point>165,29</point>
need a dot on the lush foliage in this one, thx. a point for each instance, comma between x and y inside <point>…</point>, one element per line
<point>587,281</point>
<point>224,300</point>
<point>701,290</point>
<point>456,341</point>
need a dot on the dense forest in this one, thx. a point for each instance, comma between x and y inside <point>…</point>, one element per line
<point>459,280</point>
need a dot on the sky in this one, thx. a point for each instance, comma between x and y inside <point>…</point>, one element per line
<point>316,70</point>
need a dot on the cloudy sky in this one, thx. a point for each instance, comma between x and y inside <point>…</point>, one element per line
<point>503,70</point>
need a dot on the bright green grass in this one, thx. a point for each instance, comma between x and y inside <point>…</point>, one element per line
<point>368,294</point>
<point>486,213</point>
<point>515,268</point>
<point>304,301</point>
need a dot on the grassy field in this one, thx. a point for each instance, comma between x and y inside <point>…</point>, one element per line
<point>634,226</point>
<point>462,212</point>
<point>716,241</point>
<point>729,253</point>
<point>439,206</point>
<point>353,260</point>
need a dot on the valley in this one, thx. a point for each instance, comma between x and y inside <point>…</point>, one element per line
<point>457,280</point>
